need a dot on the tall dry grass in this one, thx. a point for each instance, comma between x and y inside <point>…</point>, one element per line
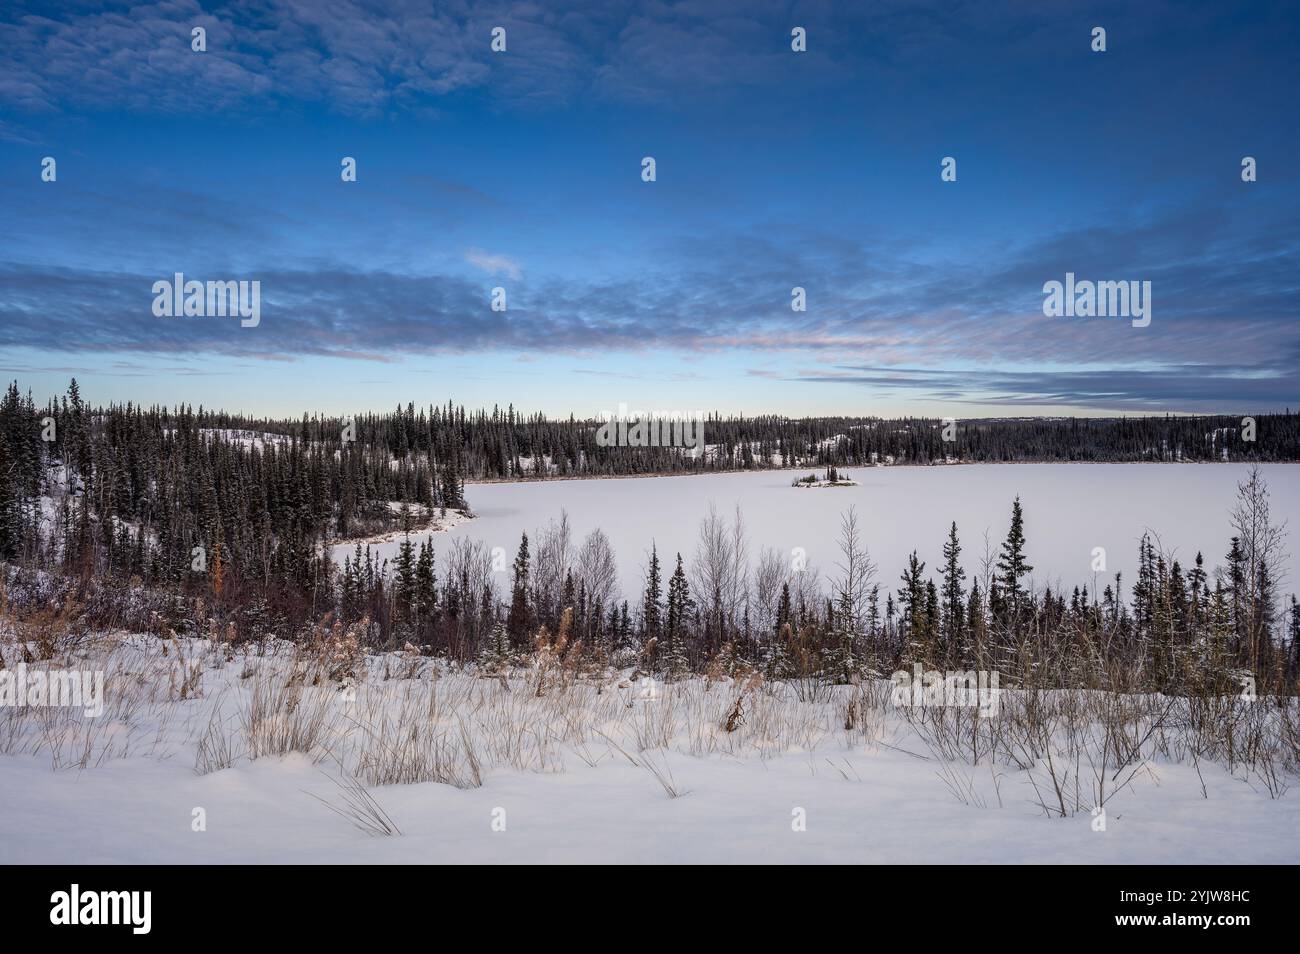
<point>404,719</point>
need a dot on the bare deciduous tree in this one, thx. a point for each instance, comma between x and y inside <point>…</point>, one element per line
<point>853,588</point>
<point>1263,550</point>
<point>553,562</point>
<point>469,564</point>
<point>771,573</point>
<point>597,570</point>
<point>719,570</point>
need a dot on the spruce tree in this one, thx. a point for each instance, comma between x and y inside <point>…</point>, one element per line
<point>1294,658</point>
<point>975,626</point>
<point>404,591</point>
<point>1012,566</point>
<point>911,599</point>
<point>650,609</point>
<point>426,582</point>
<point>932,618</point>
<point>1237,595</point>
<point>783,608</point>
<point>519,621</point>
<point>9,525</point>
<point>679,608</point>
<point>954,597</point>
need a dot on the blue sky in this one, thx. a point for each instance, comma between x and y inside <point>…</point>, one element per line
<point>775,169</point>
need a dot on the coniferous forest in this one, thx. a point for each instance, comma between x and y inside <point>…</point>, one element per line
<point>192,520</point>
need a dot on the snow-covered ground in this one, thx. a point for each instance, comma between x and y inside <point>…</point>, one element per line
<point>424,525</point>
<point>248,440</point>
<point>1070,509</point>
<point>591,767</point>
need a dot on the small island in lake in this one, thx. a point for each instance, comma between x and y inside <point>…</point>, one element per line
<point>832,478</point>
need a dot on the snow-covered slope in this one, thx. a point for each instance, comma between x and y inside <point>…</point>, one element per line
<point>590,768</point>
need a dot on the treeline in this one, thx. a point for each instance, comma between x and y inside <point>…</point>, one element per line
<point>453,444</point>
<point>189,519</point>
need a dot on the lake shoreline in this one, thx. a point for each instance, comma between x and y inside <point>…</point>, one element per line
<point>485,481</point>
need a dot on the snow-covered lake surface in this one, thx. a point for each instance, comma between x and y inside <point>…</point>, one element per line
<point>1069,510</point>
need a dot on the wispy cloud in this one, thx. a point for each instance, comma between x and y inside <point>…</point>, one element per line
<point>11,132</point>
<point>1194,387</point>
<point>494,264</point>
<point>1223,325</point>
<point>356,56</point>
<point>368,57</point>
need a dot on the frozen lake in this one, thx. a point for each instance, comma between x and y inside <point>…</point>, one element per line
<point>1069,510</point>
